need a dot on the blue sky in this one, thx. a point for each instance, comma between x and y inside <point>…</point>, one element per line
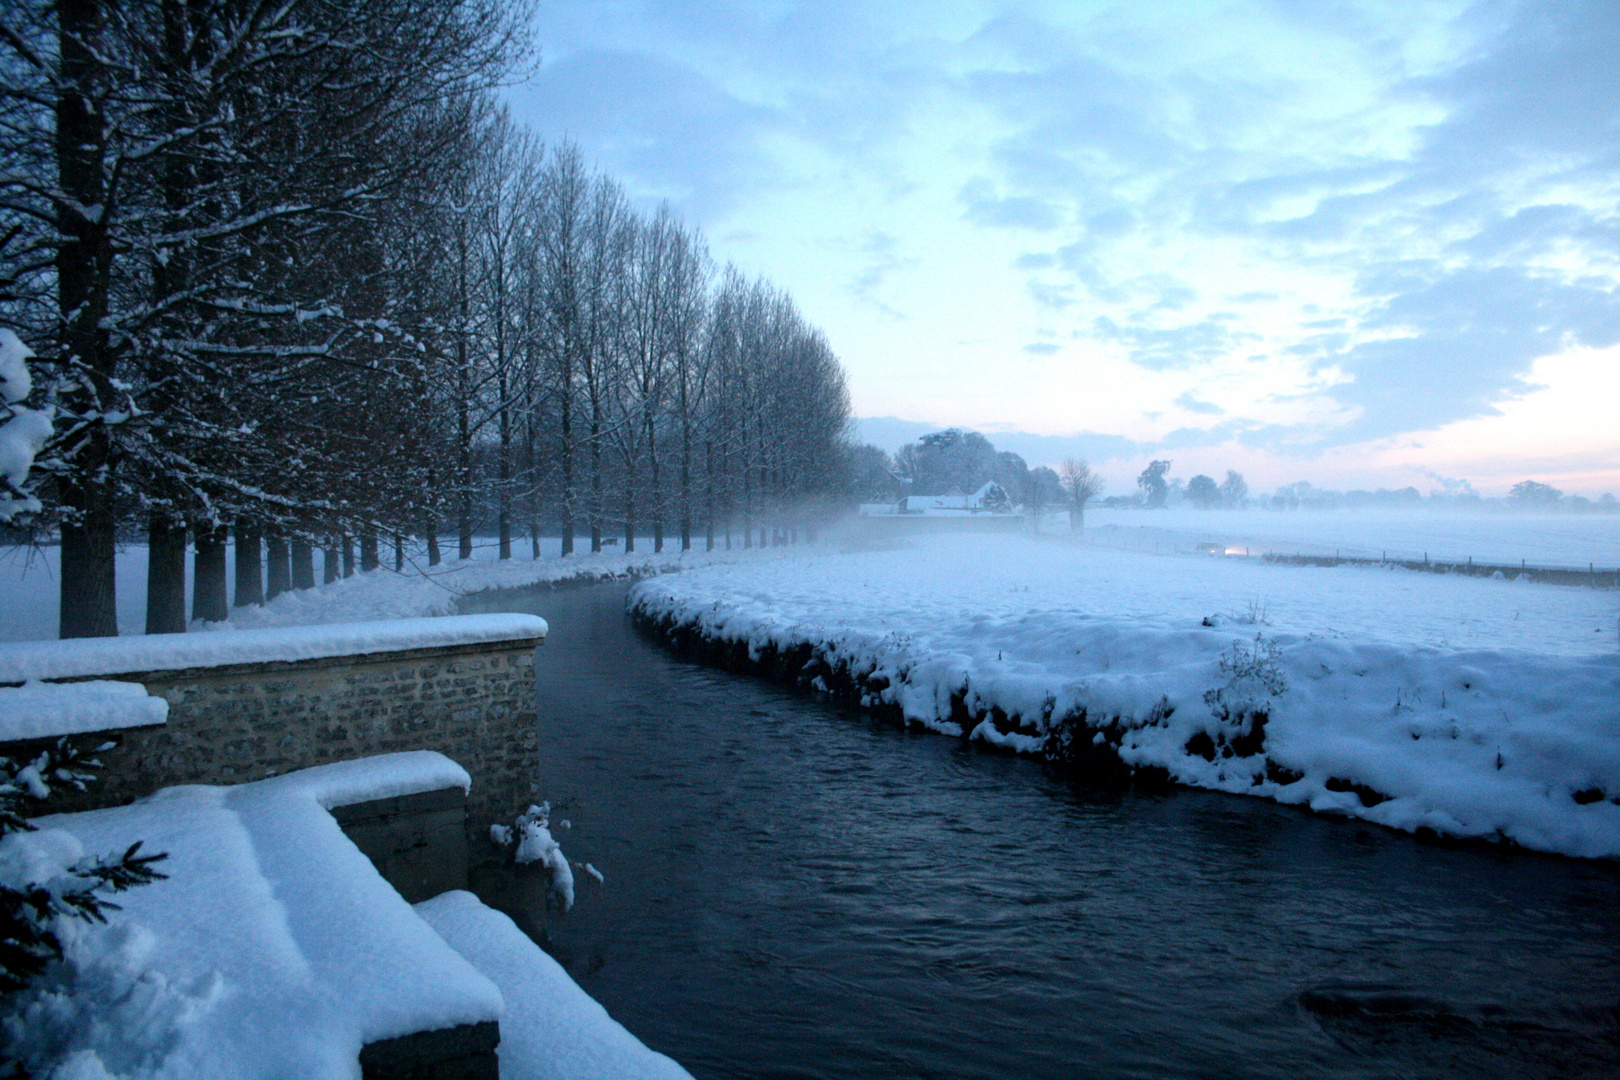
<point>1356,243</point>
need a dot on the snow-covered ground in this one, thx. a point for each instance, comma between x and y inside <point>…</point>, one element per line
<point>28,581</point>
<point>1470,706</point>
<point>1550,540</point>
<point>274,948</point>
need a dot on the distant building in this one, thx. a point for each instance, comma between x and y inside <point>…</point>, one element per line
<point>990,499</point>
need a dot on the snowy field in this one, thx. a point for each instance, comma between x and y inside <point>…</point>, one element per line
<point>28,581</point>
<point>1548,540</point>
<point>1470,706</point>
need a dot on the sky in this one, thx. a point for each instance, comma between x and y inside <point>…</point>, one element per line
<point>1361,244</point>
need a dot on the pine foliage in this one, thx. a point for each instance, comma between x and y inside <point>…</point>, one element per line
<point>28,910</point>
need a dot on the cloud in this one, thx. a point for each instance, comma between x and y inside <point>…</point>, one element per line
<point>661,125</point>
<point>882,258</point>
<point>1056,297</point>
<point>1042,348</point>
<point>983,207</point>
<point>1192,404</point>
<point>1161,348</point>
<point>1460,342</point>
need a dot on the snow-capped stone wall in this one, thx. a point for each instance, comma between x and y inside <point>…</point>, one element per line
<point>245,705</point>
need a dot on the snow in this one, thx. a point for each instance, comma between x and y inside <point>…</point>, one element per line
<point>80,657</point>
<point>384,776</point>
<point>552,1030</point>
<point>23,431</point>
<point>37,710</point>
<point>22,436</point>
<point>15,382</point>
<point>272,949</point>
<point>535,844</point>
<point>1500,537</point>
<point>28,580</point>
<point>1474,707</point>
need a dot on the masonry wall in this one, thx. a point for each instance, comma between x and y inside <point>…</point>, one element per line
<point>230,724</point>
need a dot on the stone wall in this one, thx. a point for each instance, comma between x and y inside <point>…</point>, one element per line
<point>228,724</point>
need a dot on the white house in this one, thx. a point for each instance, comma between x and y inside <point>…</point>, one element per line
<point>989,499</point>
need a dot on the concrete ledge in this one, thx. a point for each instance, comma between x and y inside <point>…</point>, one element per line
<point>466,1052</point>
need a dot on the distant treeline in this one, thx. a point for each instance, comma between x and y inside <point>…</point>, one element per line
<point>293,280</point>
<point>958,461</point>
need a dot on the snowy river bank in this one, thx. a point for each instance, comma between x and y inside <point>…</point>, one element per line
<point>1441,705</point>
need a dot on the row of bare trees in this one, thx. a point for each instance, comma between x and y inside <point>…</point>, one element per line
<point>609,382</point>
<point>293,281</point>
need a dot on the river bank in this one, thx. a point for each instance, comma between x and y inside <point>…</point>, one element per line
<point>1455,707</point>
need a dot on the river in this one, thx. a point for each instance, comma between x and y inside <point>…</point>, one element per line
<point>794,890</point>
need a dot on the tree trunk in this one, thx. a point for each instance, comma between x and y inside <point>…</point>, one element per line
<point>399,553</point>
<point>208,574</point>
<point>656,496</point>
<point>303,565</point>
<point>368,550</point>
<point>249,585</point>
<point>331,568</point>
<point>464,529</point>
<point>434,556</point>
<point>464,431</point>
<point>83,271</point>
<point>568,476</point>
<point>278,569</point>
<point>708,524</point>
<point>165,577</point>
<point>503,493</point>
<point>686,493</point>
<point>88,585</point>
<point>348,555</point>
<point>629,519</point>
<point>596,478</point>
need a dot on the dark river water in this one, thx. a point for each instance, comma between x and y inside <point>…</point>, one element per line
<point>796,891</point>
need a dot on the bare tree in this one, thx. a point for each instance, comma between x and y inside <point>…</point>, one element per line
<point>1234,490</point>
<point>1080,486</point>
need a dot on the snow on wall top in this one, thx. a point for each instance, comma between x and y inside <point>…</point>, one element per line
<point>38,710</point>
<point>386,776</point>
<point>272,949</point>
<point>77,658</point>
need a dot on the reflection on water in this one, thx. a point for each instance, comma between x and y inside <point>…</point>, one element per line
<point>794,891</point>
